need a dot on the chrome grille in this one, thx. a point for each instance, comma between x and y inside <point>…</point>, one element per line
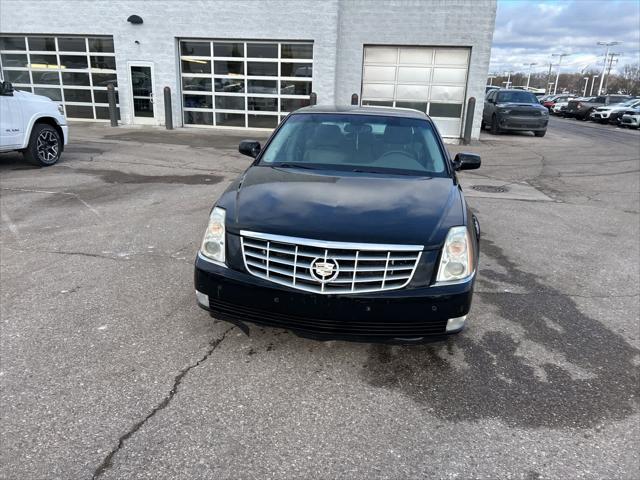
<point>355,267</point>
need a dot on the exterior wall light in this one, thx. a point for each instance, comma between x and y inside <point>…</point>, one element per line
<point>135,20</point>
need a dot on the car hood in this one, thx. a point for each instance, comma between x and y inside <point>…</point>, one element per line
<point>31,97</point>
<point>344,206</point>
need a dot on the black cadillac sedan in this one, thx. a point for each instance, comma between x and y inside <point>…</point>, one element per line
<point>349,224</point>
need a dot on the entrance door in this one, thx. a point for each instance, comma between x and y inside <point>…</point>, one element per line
<point>141,81</point>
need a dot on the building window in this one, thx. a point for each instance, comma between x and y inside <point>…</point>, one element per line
<point>71,70</point>
<point>430,79</point>
<point>247,84</point>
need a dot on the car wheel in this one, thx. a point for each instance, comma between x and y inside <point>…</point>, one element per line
<point>495,129</point>
<point>540,133</point>
<point>482,125</point>
<point>44,146</point>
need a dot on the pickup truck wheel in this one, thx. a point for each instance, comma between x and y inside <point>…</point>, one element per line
<point>495,129</point>
<point>44,145</point>
<point>540,133</point>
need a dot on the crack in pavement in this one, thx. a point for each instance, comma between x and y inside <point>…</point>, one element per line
<point>121,257</point>
<point>107,463</point>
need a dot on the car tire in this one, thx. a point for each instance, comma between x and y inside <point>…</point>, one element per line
<point>45,145</point>
<point>540,133</point>
<point>482,125</point>
<point>495,129</point>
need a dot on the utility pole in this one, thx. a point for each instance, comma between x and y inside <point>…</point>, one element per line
<point>586,84</point>
<point>491,77</point>
<point>529,75</point>
<point>508,78</point>
<point>593,84</point>
<point>611,57</point>
<point>560,57</point>
<point>549,77</point>
<point>604,66</point>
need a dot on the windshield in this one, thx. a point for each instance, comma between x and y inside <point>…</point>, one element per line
<point>516,97</point>
<point>363,143</point>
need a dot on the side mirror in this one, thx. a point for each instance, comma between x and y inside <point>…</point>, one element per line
<point>250,148</point>
<point>6,88</point>
<point>466,161</point>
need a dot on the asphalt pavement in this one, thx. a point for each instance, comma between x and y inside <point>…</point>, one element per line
<point>109,370</point>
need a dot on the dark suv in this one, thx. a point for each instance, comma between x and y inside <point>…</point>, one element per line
<point>514,110</point>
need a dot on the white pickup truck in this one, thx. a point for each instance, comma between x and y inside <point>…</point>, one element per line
<point>31,124</point>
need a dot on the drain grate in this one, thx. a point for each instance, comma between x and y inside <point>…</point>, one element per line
<point>490,188</point>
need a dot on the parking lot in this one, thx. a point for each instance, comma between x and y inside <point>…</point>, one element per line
<point>110,370</point>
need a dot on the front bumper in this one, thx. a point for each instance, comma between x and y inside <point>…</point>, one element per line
<point>404,315</point>
<point>600,115</point>
<point>523,123</point>
<point>631,120</point>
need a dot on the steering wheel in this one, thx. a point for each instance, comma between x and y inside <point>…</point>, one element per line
<point>396,152</point>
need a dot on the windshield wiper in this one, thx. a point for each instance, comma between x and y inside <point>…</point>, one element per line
<point>407,174</point>
<point>292,165</point>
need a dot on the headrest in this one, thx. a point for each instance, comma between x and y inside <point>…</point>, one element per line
<point>327,134</point>
<point>397,134</point>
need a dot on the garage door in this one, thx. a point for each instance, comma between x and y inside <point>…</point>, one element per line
<point>70,70</point>
<point>243,83</point>
<point>432,80</point>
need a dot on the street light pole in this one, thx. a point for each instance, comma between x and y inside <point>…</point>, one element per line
<point>508,78</point>
<point>561,56</point>
<point>529,75</point>
<point>593,84</point>
<point>604,65</point>
<point>612,56</point>
<point>586,83</point>
<point>549,77</point>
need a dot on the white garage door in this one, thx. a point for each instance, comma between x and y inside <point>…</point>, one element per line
<point>432,80</point>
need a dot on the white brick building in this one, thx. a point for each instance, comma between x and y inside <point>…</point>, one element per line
<point>247,63</point>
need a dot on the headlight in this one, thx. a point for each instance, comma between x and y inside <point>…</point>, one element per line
<point>544,112</point>
<point>61,109</point>
<point>214,237</point>
<point>456,262</point>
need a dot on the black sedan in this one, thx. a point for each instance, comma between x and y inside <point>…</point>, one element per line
<point>514,110</point>
<point>349,224</point>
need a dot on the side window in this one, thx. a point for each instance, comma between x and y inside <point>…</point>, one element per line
<point>599,100</point>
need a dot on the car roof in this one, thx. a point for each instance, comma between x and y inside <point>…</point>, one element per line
<point>366,110</point>
<point>514,90</point>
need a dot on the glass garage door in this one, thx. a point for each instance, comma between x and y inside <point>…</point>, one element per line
<point>73,71</point>
<point>243,84</point>
<point>432,80</point>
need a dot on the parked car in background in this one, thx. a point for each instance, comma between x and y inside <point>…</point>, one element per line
<point>613,113</point>
<point>560,107</point>
<point>31,124</point>
<point>489,88</point>
<point>631,118</point>
<point>514,110</point>
<point>550,103</point>
<point>544,98</point>
<point>581,109</point>
<point>349,224</point>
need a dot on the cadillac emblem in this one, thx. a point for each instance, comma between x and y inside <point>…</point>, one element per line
<point>324,270</point>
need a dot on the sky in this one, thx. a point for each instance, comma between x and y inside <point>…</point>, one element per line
<point>530,31</point>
